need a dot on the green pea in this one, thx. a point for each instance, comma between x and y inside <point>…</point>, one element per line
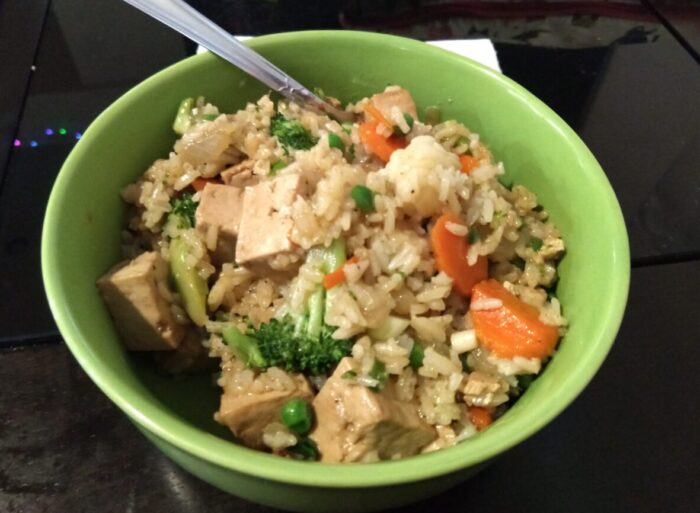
<point>334,141</point>
<point>364,198</point>
<point>306,449</point>
<point>416,356</point>
<point>296,414</point>
<point>274,168</point>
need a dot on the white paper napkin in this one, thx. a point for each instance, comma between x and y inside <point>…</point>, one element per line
<point>480,50</point>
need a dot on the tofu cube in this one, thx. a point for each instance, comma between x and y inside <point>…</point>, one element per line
<point>141,314</point>
<point>354,423</point>
<point>266,222</point>
<point>394,97</point>
<point>248,414</point>
<point>220,206</point>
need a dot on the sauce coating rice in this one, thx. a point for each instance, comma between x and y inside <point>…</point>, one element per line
<point>369,290</point>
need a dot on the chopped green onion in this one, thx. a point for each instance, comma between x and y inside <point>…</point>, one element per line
<point>349,374</point>
<point>297,415</point>
<point>432,115</point>
<point>465,364</point>
<point>364,198</point>
<point>274,168</point>
<point>519,263</point>
<point>306,449</point>
<point>347,128</point>
<point>473,236</point>
<point>183,118</point>
<point>536,243</point>
<point>210,117</point>
<point>336,142</point>
<point>415,358</point>
<point>379,373</point>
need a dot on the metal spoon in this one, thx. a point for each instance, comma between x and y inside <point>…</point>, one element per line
<point>190,23</point>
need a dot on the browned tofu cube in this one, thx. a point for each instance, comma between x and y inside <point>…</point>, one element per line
<point>354,423</point>
<point>248,414</point>
<point>266,222</point>
<point>142,315</point>
<point>395,97</point>
<point>220,206</point>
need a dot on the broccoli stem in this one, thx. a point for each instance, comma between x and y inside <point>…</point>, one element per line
<point>317,309</point>
<point>192,287</point>
<point>244,347</point>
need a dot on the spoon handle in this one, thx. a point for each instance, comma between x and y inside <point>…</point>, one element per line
<point>179,16</point>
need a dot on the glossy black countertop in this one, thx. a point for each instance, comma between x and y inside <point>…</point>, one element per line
<point>625,75</point>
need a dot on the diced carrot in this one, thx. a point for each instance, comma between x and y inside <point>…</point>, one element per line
<point>377,115</point>
<point>480,417</point>
<point>337,277</point>
<point>199,183</point>
<point>467,163</point>
<point>382,147</point>
<point>450,252</point>
<point>514,328</point>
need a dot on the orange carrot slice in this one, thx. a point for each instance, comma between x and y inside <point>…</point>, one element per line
<point>337,277</point>
<point>514,328</point>
<point>480,417</point>
<point>468,163</point>
<point>382,147</point>
<point>450,252</point>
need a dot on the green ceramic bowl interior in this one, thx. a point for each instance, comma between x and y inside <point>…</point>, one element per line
<point>85,216</point>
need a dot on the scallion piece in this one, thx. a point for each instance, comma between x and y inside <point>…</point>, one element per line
<point>274,168</point>
<point>536,243</point>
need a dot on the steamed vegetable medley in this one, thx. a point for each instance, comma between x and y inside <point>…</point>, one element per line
<point>369,290</point>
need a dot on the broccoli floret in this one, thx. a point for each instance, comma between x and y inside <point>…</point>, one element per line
<point>281,347</point>
<point>290,133</point>
<point>182,211</point>
<point>297,343</point>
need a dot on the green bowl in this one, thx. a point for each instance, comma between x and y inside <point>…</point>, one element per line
<point>85,215</point>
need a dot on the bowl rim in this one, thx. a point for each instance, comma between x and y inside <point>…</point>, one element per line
<point>199,443</point>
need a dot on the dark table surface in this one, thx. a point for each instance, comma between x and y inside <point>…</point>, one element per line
<point>625,75</point>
